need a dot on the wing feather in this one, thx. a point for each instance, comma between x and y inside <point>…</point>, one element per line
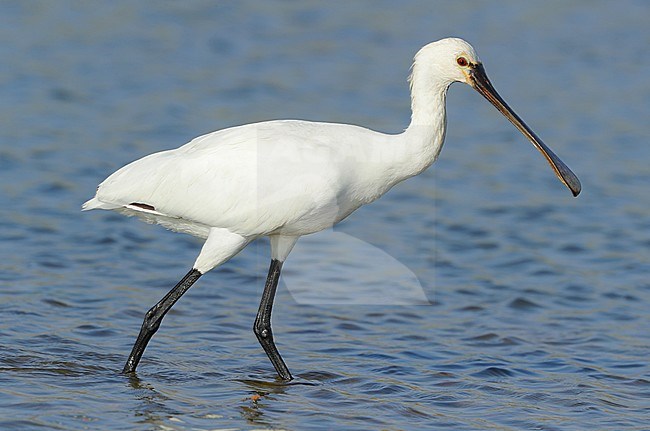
<point>254,179</point>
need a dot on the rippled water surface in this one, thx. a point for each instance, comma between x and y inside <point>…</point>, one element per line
<point>479,295</point>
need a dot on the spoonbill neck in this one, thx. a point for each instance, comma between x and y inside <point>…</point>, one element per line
<point>425,134</point>
<point>428,101</point>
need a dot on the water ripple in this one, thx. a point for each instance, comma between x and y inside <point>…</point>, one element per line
<point>527,308</point>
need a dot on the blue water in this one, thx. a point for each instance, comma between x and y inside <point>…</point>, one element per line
<point>480,295</point>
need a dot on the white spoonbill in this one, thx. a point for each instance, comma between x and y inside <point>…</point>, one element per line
<point>288,178</point>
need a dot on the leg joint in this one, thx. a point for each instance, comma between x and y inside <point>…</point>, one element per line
<point>262,330</point>
<point>151,320</point>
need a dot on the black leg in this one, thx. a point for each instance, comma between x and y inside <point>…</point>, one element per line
<point>154,316</point>
<point>262,327</point>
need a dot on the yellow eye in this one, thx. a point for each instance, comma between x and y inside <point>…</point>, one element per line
<point>462,61</point>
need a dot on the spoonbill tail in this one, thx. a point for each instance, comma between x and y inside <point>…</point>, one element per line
<point>287,178</point>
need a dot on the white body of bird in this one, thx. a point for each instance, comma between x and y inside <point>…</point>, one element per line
<point>271,178</point>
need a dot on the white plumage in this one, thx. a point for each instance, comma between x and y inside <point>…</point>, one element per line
<point>289,178</point>
<point>271,178</point>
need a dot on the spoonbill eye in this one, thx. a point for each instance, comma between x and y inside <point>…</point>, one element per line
<point>462,61</point>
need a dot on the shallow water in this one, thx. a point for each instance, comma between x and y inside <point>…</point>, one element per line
<point>478,295</point>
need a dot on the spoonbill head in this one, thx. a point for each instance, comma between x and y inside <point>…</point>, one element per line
<point>439,64</point>
<point>287,178</point>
